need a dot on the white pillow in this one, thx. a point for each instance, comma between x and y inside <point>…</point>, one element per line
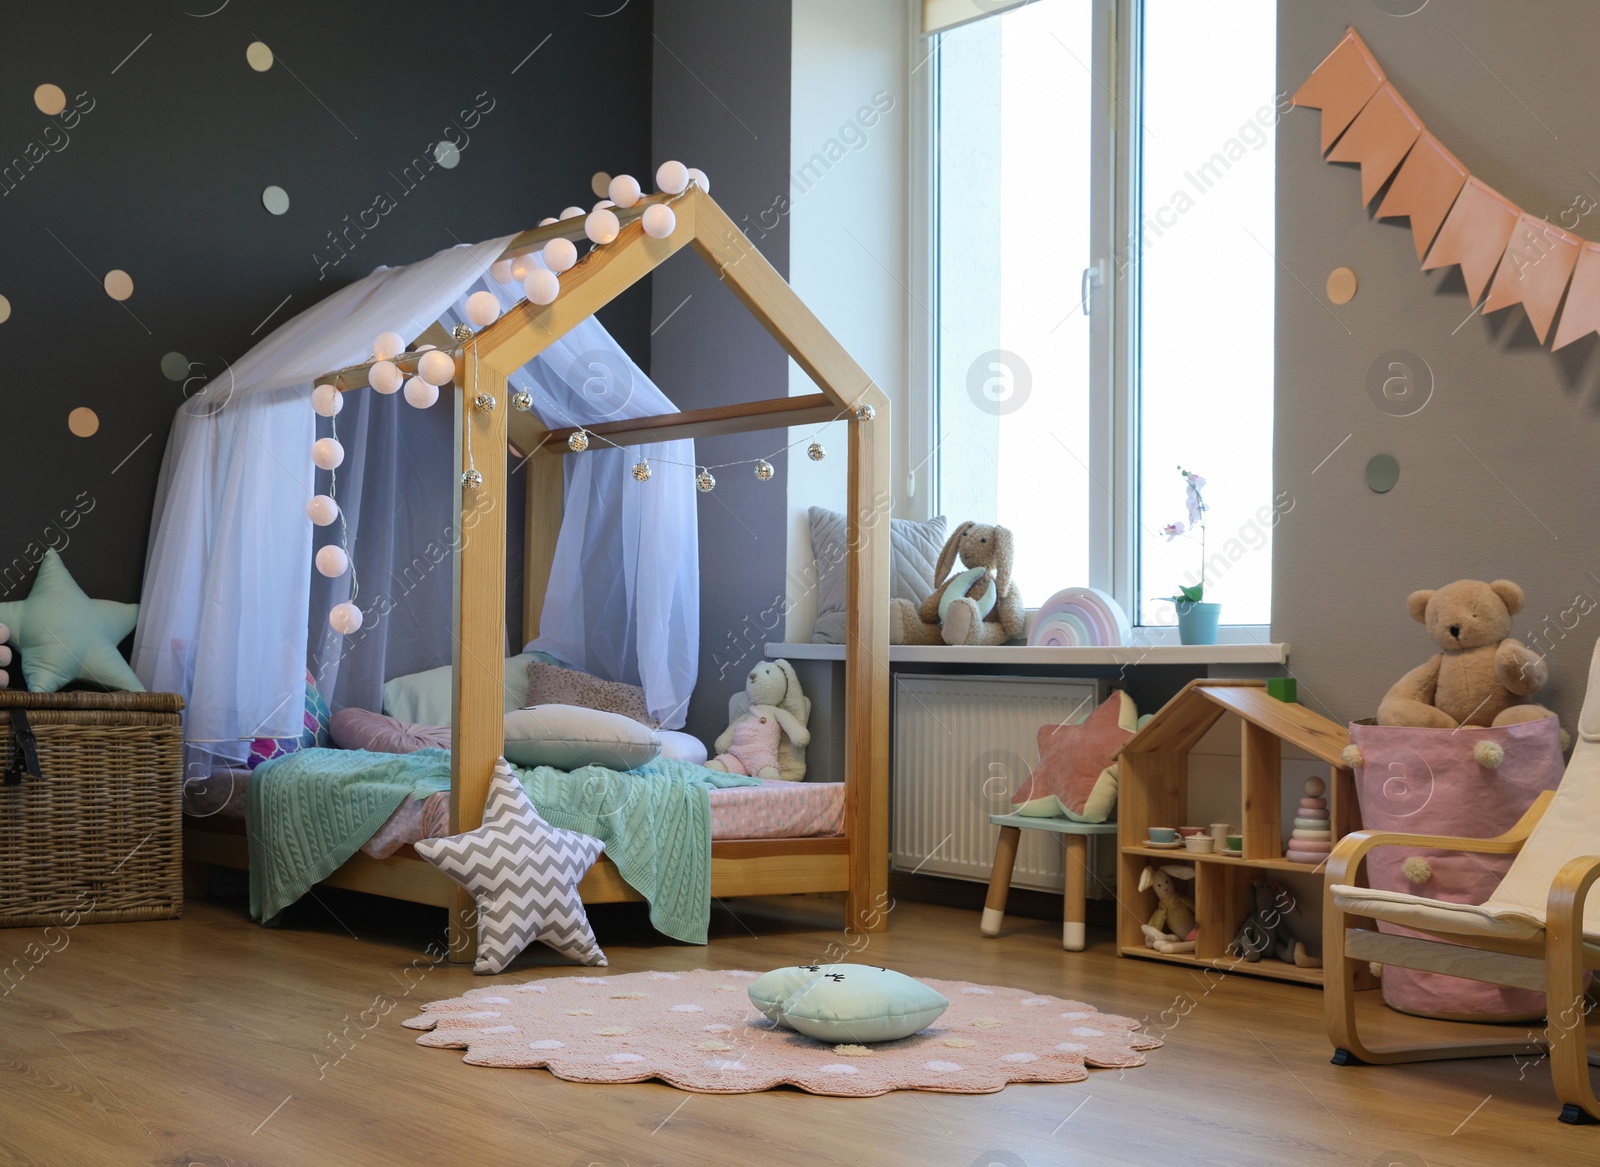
<point>568,737</point>
<point>681,747</point>
<point>424,698</point>
<point>914,548</point>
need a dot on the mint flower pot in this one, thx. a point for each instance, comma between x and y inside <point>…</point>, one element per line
<point>1197,623</point>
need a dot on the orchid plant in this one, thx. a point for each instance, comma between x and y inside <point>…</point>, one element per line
<point>1196,503</point>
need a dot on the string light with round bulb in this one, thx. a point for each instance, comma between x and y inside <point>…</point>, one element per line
<point>420,394</point>
<point>500,271</point>
<point>560,254</point>
<point>483,308</point>
<point>436,367</point>
<point>327,453</point>
<point>602,205</point>
<point>521,400</point>
<point>388,345</point>
<point>672,177</point>
<point>345,618</point>
<point>602,226</point>
<point>471,480</point>
<point>541,287</point>
<point>642,471</point>
<point>322,510</point>
<point>578,440</point>
<point>385,377</point>
<point>520,267</point>
<point>764,470</point>
<point>332,561</point>
<point>624,190</point>
<point>327,401</point>
<point>865,413</point>
<point>571,212</point>
<point>698,177</point>
<point>705,481</point>
<point>547,220</point>
<point>659,221</point>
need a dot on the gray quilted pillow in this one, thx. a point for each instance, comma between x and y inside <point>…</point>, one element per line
<point>914,548</point>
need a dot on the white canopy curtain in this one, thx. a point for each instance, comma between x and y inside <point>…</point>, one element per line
<point>228,593</point>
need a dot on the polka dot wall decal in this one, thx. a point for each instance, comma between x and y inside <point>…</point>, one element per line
<point>119,284</point>
<point>84,422</point>
<point>5,309</point>
<point>275,199</point>
<point>259,56</point>
<point>1341,285</point>
<point>447,154</point>
<point>1383,471</point>
<point>600,184</point>
<point>175,367</point>
<point>50,99</point>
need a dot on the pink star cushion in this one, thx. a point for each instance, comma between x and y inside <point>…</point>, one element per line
<point>1075,776</point>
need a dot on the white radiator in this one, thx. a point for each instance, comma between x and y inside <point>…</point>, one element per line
<point>962,745</point>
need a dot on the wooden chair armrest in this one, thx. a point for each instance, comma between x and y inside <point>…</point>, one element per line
<point>1352,849</point>
<point>1568,892</point>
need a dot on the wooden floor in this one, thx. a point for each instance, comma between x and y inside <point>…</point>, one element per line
<point>213,1041</point>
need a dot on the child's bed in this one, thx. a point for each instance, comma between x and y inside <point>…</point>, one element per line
<point>776,838</point>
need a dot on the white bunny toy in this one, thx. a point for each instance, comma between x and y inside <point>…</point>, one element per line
<point>774,684</point>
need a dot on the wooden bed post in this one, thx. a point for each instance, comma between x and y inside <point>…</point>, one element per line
<point>546,483</point>
<point>477,699</point>
<point>866,682</point>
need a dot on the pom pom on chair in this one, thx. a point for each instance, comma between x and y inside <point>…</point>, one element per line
<point>1539,930</point>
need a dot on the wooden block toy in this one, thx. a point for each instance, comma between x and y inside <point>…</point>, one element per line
<point>1284,689</point>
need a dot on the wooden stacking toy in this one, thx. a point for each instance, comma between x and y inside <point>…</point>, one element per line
<point>1312,836</point>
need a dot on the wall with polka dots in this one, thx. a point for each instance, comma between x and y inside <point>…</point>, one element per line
<point>177,179</point>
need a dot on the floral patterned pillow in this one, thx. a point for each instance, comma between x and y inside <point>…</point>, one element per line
<point>315,734</point>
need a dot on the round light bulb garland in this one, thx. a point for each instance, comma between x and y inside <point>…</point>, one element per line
<point>539,273</point>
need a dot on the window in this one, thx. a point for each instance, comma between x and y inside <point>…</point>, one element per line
<point>1094,319</point>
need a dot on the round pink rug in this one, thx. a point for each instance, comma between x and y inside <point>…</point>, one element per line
<point>698,1031</point>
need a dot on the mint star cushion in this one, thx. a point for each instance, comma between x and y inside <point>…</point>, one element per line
<point>64,636</point>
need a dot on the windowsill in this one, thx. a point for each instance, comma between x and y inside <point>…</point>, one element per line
<point>1244,653</point>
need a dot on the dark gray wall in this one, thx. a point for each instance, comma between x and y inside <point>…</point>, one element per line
<point>1495,469</point>
<point>163,175</point>
<point>721,97</point>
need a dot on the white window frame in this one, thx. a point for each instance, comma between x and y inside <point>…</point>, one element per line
<point>1113,303</point>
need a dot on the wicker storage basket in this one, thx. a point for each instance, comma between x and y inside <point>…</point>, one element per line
<point>99,837</point>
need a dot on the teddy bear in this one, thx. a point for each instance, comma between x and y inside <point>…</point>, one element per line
<point>980,605</point>
<point>773,691</point>
<point>750,745</point>
<point>1480,675</point>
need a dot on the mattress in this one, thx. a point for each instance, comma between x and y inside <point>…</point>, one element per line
<point>773,810</point>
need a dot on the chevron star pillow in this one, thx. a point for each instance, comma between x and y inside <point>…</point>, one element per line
<point>524,874</point>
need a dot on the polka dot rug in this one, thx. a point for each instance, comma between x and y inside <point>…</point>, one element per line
<point>697,1030</point>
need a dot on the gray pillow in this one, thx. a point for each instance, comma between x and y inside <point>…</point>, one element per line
<point>914,547</point>
<point>569,737</point>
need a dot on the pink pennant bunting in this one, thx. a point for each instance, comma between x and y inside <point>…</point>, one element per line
<point>1343,83</point>
<point>1429,180</point>
<point>1378,139</point>
<point>1474,235</point>
<point>1534,271</point>
<point>1581,316</point>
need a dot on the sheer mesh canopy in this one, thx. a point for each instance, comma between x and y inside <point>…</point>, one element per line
<point>229,589</point>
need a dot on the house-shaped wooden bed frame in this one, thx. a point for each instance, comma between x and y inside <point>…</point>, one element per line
<point>856,863</point>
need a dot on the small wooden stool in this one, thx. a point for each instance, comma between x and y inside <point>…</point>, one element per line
<point>1005,857</point>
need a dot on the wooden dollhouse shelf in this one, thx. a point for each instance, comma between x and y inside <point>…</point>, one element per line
<point>1154,791</point>
<point>1178,855</point>
<point>1227,965</point>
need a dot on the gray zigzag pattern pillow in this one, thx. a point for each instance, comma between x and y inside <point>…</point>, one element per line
<point>914,547</point>
<point>524,875</point>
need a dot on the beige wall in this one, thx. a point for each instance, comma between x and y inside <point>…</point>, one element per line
<point>1497,470</point>
<point>847,232</point>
